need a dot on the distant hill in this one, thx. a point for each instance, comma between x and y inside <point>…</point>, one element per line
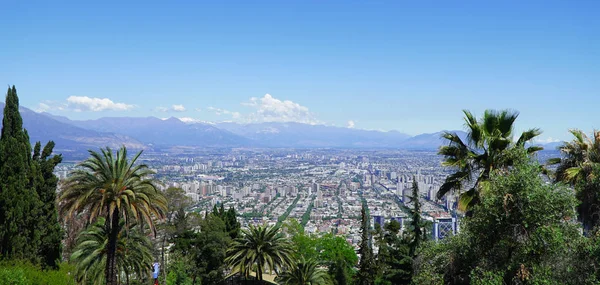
<point>155,133</point>
<point>429,141</point>
<point>164,133</point>
<point>69,137</point>
<point>305,135</point>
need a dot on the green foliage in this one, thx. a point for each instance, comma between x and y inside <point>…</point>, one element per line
<point>332,248</point>
<point>209,250</point>
<point>480,277</point>
<point>179,272</point>
<point>229,217</point>
<point>329,250</point>
<point>45,182</point>
<point>579,158</point>
<point>579,166</point>
<point>366,267</point>
<point>113,186</point>
<point>587,192</point>
<point>306,215</point>
<point>29,227</point>
<point>20,205</point>
<point>304,272</point>
<point>488,139</point>
<point>394,260</point>
<point>304,245</point>
<point>24,273</point>
<point>134,253</point>
<point>260,246</point>
<point>283,217</point>
<point>522,230</point>
<point>417,224</point>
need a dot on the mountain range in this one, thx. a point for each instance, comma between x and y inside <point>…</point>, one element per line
<point>154,133</point>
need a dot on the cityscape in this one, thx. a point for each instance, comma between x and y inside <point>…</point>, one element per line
<point>323,189</point>
<point>300,142</point>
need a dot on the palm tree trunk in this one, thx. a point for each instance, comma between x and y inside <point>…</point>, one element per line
<point>259,271</point>
<point>111,261</point>
<point>162,253</point>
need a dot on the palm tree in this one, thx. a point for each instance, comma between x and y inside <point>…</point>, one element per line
<point>488,142</point>
<point>114,188</point>
<point>579,157</point>
<point>578,166</point>
<point>134,252</point>
<point>304,272</point>
<point>260,246</point>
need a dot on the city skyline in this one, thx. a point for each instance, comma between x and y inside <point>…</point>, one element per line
<point>384,66</point>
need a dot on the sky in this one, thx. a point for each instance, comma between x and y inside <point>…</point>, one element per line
<point>411,66</point>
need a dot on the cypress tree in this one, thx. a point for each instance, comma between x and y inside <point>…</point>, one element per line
<point>45,184</point>
<point>416,224</point>
<point>19,202</point>
<point>232,224</point>
<point>366,267</point>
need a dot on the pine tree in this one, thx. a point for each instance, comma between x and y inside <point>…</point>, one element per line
<point>366,267</point>
<point>45,183</point>
<point>19,202</point>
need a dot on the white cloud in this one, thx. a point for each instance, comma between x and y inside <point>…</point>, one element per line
<point>219,112</point>
<point>350,125</point>
<point>84,103</point>
<point>161,109</point>
<point>270,109</point>
<point>178,108</point>
<point>42,107</point>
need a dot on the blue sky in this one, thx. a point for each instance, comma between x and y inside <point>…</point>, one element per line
<point>410,66</point>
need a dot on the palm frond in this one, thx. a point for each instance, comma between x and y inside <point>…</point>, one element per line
<point>528,135</point>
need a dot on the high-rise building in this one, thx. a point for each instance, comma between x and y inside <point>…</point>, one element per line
<point>399,189</point>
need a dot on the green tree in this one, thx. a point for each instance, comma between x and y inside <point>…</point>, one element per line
<point>394,260</point>
<point>330,250</point>
<point>179,273</point>
<point>230,219</point>
<point>366,267</point>
<point>417,224</point>
<point>205,249</point>
<point>262,247</point>
<point>488,140</point>
<point>134,253</point>
<point>232,224</point>
<point>45,181</point>
<point>20,222</point>
<point>579,167</point>
<point>304,272</point>
<point>579,158</point>
<point>338,255</point>
<point>304,245</point>
<point>115,188</point>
